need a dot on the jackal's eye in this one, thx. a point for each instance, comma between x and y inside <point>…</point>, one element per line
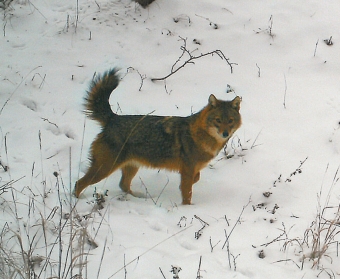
<point>218,120</point>
<point>231,120</point>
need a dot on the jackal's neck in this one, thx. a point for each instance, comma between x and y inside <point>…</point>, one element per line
<point>199,130</point>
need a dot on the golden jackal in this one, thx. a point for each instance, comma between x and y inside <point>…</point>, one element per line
<point>126,142</point>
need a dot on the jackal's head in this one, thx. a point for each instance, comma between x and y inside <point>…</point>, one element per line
<point>223,118</point>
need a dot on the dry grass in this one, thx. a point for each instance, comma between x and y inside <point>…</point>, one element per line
<point>37,241</point>
<point>319,244</point>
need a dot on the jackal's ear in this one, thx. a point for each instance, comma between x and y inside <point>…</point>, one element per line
<point>212,100</point>
<point>236,103</point>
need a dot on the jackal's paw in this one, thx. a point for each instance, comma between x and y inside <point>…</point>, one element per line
<point>186,202</point>
<point>74,193</point>
<point>140,195</point>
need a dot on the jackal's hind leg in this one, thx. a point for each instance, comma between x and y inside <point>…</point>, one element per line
<point>103,163</point>
<point>128,173</point>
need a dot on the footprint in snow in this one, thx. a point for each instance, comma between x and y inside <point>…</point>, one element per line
<point>32,105</point>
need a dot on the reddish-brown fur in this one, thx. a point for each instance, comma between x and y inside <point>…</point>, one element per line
<point>183,144</point>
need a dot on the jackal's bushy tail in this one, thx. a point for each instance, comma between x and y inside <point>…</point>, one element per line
<point>97,99</point>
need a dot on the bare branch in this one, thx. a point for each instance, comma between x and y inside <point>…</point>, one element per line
<point>190,60</point>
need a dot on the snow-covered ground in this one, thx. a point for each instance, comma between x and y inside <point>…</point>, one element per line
<point>254,215</point>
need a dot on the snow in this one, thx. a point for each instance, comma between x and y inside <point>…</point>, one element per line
<point>288,78</point>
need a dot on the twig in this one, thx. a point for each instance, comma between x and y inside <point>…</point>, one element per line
<point>37,10</point>
<point>142,77</point>
<point>253,145</point>
<point>184,219</point>
<point>166,184</point>
<point>284,97</point>
<point>102,257</point>
<point>6,186</point>
<point>274,240</point>
<point>162,273</point>
<point>316,45</point>
<point>6,152</point>
<point>226,219</point>
<point>45,119</point>
<point>330,273</point>
<point>77,15</point>
<point>60,226</point>
<point>125,271</point>
<point>166,89</point>
<point>199,269</point>
<point>147,191</point>
<point>150,249</point>
<point>270,27</point>
<point>42,168</point>
<point>191,59</point>
<point>237,221</point>
<point>258,70</point>
<point>212,24</point>
<point>42,78</point>
<point>234,260</point>
<point>288,260</point>
<point>4,28</point>
<point>3,106</point>
<point>182,17</point>
<point>71,215</point>
<point>226,243</point>
<point>204,224</point>
<point>3,166</point>
<point>213,246</point>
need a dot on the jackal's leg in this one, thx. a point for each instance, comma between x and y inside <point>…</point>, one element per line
<point>197,177</point>
<point>128,173</point>
<point>187,180</point>
<point>103,163</point>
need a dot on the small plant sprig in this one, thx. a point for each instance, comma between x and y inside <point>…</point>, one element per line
<point>182,17</point>
<point>212,24</point>
<point>227,237</point>
<point>182,222</point>
<point>329,41</point>
<point>238,150</point>
<point>269,29</point>
<point>198,234</point>
<point>5,167</point>
<point>175,270</point>
<point>99,198</point>
<point>298,170</point>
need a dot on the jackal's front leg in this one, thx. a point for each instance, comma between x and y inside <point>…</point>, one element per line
<point>188,178</point>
